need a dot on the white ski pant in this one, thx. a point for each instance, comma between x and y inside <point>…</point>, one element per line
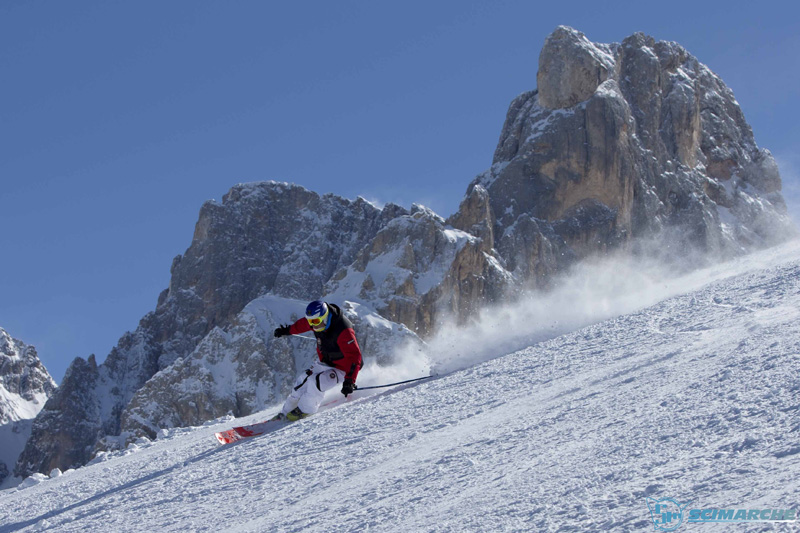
<point>310,387</point>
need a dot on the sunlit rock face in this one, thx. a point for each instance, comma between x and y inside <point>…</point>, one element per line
<point>623,144</point>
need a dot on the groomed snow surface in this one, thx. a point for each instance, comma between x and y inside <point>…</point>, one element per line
<point>696,398</point>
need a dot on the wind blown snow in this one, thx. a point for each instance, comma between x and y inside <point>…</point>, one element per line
<point>591,292</point>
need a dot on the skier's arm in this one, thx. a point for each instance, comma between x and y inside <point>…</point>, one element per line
<point>352,361</point>
<point>301,326</point>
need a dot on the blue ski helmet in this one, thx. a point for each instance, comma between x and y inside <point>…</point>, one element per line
<point>318,315</point>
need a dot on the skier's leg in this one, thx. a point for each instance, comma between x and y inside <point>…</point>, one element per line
<point>323,378</point>
<point>297,391</point>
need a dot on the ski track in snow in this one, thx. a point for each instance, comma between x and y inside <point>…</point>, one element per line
<point>696,398</point>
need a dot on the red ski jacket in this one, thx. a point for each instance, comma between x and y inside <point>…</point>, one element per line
<point>336,346</point>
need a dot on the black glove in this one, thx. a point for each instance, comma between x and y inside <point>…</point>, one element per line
<point>348,387</point>
<point>281,331</point>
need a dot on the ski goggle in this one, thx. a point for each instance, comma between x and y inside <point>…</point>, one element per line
<point>317,320</point>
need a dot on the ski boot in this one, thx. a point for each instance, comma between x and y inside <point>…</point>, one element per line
<point>295,415</point>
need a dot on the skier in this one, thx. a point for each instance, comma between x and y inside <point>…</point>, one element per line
<point>339,359</point>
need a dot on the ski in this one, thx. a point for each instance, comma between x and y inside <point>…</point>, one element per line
<point>252,430</point>
<point>226,437</point>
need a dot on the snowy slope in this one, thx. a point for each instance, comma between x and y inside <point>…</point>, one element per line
<point>695,398</point>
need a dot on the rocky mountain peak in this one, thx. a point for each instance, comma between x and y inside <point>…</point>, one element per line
<point>25,384</point>
<point>619,143</point>
<point>571,68</point>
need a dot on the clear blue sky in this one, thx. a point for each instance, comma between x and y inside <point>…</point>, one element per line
<point>119,119</point>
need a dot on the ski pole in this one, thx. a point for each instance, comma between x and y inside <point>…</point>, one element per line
<point>303,337</point>
<point>393,384</point>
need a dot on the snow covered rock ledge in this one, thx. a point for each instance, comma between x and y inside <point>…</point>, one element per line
<point>418,270</point>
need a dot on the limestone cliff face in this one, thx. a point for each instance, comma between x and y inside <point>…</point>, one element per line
<point>622,142</point>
